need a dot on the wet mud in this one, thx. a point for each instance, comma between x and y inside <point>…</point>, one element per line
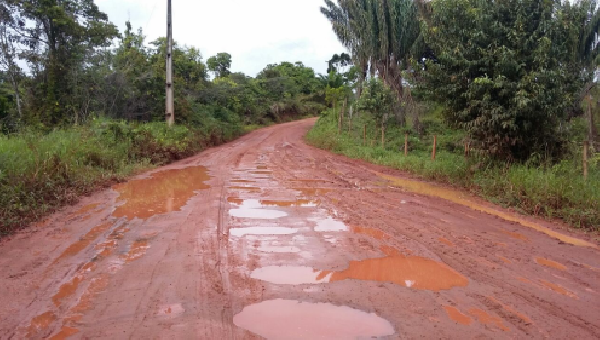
<point>266,237</point>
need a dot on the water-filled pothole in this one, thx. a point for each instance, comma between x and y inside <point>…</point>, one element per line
<point>253,209</point>
<point>330,225</point>
<point>262,231</point>
<point>410,271</point>
<point>163,192</point>
<point>288,319</point>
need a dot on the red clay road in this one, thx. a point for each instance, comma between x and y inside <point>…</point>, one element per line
<point>266,237</point>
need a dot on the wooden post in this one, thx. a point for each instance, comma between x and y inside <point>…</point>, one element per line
<point>586,146</point>
<point>342,115</point>
<point>406,144</point>
<point>434,147</point>
<point>466,149</point>
<point>365,134</point>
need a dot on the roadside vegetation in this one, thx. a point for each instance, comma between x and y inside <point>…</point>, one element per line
<point>512,82</point>
<point>89,107</point>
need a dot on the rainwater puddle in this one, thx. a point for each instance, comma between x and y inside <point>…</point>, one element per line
<point>313,192</point>
<point>84,210</point>
<point>330,225</point>
<point>164,192</point>
<point>262,231</point>
<point>459,197</point>
<point>85,241</point>
<point>261,172</point>
<point>235,200</point>
<point>242,181</point>
<point>290,275</point>
<point>296,203</point>
<point>413,272</point>
<point>249,189</point>
<point>486,319</point>
<point>279,249</point>
<point>40,324</point>
<point>456,315</point>
<point>374,233</point>
<point>66,290</point>
<point>137,250</point>
<point>253,209</point>
<point>286,319</point>
<point>549,263</point>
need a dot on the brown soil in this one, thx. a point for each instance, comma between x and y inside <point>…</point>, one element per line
<point>268,237</point>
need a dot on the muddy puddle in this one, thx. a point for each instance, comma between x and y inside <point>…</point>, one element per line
<point>456,315</point>
<point>253,209</point>
<point>296,203</point>
<point>410,271</point>
<point>549,263</point>
<point>163,192</point>
<point>313,192</point>
<point>330,225</point>
<point>262,231</point>
<point>288,319</point>
<point>461,198</point>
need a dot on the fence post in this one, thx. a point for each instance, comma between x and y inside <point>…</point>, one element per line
<point>586,147</point>
<point>434,147</point>
<point>382,136</point>
<point>405,144</point>
<point>365,134</point>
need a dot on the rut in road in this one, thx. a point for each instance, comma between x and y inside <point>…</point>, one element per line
<point>268,237</point>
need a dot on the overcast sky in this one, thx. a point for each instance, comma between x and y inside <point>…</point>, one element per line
<point>254,32</point>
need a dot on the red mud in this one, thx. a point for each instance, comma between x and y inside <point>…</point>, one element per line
<point>268,237</point>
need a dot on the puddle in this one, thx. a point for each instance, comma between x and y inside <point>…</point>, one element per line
<point>549,263</point>
<point>250,189</point>
<point>40,323</point>
<point>459,197</point>
<point>296,203</point>
<point>279,249</point>
<point>286,319</point>
<point>486,319</point>
<point>241,181</point>
<point>66,290</point>
<point>261,172</point>
<point>516,236</point>
<point>313,192</point>
<point>446,242</point>
<point>559,289</point>
<point>235,200</point>
<point>253,209</point>
<point>262,167</point>
<point>164,192</point>
<point>374,233</point>
<point>289,275</point>
<point>390,251</point>
<point>84,210</point>
<point>330,225</point>
<point>456,315</point>
<point>413,272</point>
<point>137,250</point>
<point>65,333</point>
<point>262,231</point>
<point>85,241</point>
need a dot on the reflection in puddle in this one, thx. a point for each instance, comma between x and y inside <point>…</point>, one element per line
<point>549,263</point>
<point>459,197</point>
<point>289,275</point>
<point>413,272</point>
<point>164,192</point>
<point>296,203</point>
<point>330,225</point>
<point>313,192</point>
<point>456,315</point>
<point>285,319</point>
<point>486,319</point>
<point>262,231</point>
<point>253,209</point>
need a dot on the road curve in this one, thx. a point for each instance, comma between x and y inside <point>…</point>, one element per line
<point>266,237</point>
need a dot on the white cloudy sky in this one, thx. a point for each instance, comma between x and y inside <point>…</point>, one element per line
<point>254,32</point>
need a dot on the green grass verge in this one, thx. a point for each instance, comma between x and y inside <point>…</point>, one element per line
<point>40,172</point>
<point>556,191</point>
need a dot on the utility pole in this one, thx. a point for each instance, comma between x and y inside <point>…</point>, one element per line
<point>170,105</point>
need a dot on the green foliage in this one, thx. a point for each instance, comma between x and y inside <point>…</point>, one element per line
<point>557,191</point>
<point>220,64</point>
<point>506,70</point>
<point>377,99</point>
<point>41,172</point>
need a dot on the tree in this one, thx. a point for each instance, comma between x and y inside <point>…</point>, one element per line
<point>506,71</point>
<point>378,100</point>
<point>220,64</point>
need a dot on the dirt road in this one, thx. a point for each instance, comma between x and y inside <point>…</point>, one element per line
<point>268,237</point>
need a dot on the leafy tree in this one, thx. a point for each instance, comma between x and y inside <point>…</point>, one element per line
<point>220,64</point>
<point>378,100</point>
<point>506,70</point>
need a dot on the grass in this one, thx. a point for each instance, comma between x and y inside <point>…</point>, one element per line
<point>40,172</point>
<point>551,191</point>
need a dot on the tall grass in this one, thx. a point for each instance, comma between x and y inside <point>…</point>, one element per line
<point>552,191</point>
<point>40,172</point>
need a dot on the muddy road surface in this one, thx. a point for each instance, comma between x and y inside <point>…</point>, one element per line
<point>266,237</point>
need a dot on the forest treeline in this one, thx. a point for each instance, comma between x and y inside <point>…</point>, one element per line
<point>82,104</point>
<point>507,89</point>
